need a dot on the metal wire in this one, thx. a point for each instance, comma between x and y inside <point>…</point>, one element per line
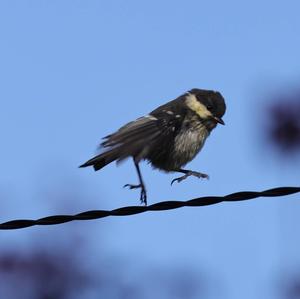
<point>161,206</point>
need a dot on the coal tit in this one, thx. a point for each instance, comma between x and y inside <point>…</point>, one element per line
<point>168,137</point>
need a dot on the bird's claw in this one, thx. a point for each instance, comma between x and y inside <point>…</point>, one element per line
<point>131,186</point>
<point>190,173</point>
<point>143,196</point>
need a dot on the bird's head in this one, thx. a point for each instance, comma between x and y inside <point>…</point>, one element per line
<point>209,105</point>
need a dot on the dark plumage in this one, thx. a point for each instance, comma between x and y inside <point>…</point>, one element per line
<point>169,137</point>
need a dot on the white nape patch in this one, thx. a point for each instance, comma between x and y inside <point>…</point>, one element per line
<point>192,102</point>
<point>151,117</point>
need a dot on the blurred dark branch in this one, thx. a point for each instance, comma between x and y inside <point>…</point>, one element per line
<point>161,206</point>
<point>283,131</point>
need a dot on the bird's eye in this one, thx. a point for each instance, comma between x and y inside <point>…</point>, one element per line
<point>209,107</point>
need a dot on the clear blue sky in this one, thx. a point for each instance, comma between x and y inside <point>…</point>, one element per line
<point>72,72</point>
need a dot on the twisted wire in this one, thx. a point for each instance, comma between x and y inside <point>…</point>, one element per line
<point>161,206</point>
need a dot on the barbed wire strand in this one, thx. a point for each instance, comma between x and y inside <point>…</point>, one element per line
<point>161,206</point>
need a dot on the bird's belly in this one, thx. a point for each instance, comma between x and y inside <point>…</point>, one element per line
<point>187,145</point>
<point>175,153</point>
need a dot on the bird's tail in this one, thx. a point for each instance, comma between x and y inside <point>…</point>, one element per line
<point>102,160</point>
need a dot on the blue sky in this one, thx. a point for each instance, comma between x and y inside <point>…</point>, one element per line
<point>74,71</point>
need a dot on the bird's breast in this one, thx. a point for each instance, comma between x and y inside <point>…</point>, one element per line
<point>188,143</point>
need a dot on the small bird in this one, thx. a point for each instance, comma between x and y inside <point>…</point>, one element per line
<point>168,137</point>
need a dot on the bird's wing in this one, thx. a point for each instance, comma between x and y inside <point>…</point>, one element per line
<point>138,137</point>
<point>142,128</point>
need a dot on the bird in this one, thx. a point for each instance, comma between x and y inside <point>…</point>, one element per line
<point>168,137</point>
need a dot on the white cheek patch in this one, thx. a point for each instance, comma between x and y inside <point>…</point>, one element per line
<point>192,102</point>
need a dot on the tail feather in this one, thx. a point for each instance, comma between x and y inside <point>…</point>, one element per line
<point>134,139</point>
<point>101,160</point>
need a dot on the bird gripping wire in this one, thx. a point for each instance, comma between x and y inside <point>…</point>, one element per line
<point>161,206</point>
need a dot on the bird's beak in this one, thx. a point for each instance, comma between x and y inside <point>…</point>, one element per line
<point>219,120</point>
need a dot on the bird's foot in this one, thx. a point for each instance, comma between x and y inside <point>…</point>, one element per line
<point>190,173</point>
<point>143,196</point>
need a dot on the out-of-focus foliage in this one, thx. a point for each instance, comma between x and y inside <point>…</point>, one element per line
<point>40,275</point>
<point>289,285</point>
<point>284,124</point>
<point>62,275</point>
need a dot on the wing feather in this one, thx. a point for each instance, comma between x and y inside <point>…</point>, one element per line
<point>134,131</point>
<point>143,138</point>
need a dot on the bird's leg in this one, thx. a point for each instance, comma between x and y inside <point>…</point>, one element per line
<point>143,197</point>
<point>188,173</point>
